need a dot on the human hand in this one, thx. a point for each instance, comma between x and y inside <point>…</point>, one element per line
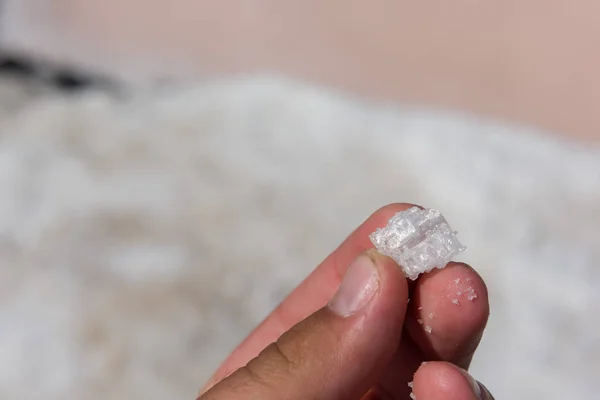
<point>350,332</point>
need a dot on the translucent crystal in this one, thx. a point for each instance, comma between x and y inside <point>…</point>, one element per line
<point>418,240</point>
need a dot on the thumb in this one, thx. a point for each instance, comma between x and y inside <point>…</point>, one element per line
<point>337,352</point>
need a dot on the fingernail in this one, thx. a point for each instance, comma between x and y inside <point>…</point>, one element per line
<point>357,288</point>
<point>475,386</point>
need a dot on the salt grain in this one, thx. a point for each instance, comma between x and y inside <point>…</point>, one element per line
<point>412,396</point>
<point>410,384</point>
<point>431,315</point>
<point>420,321</point>
<point>428,329</point>
<point>471,295</point>
<point>418,240</point>
<point>457,281</point>
<point>455,301</point>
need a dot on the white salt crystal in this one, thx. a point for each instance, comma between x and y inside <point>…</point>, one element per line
<point>410,384</point>
<point>457,281</point>
<point>471,295</point>
<point>431,315</point>
<point>428,329</point>
<point>418,240</point>
<point>458,293</point>
<point>412,396</point>
<point>420,321</point>
<point>455,301</point>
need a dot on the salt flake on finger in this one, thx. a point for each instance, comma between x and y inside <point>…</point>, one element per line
<point>418,240</point>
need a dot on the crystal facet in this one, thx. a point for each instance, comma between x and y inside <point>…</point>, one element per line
<point>418,240</point>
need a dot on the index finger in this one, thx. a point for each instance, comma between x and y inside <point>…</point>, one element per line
<point>312,294</point>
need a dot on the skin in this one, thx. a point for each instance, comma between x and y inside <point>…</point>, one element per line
<point>305,350</point>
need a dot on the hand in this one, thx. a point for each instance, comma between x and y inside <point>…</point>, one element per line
<point>350,332</point>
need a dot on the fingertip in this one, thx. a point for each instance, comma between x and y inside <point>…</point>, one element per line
<point>441,380</point>
<point>394,286</point>
<point>385,314</point>
<point>448,313</point>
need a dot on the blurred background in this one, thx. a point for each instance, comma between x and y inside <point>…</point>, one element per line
<point>170,170</point>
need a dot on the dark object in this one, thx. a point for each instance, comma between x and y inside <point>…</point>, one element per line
<point>64,79</point>
<point>17,67</point>
<point>71,81</point>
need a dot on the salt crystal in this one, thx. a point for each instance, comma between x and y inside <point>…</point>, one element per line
<point>412,396</point>
<point>428,329</point>
<point>420,321</point>
<point>420,308</point>
<point>431,315</point>
<point>455,301</point>
<point>457,281</point>
<point>418,240</point>
<point>458,293</point>
<point>471,295</point>
<point>410,384</point>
